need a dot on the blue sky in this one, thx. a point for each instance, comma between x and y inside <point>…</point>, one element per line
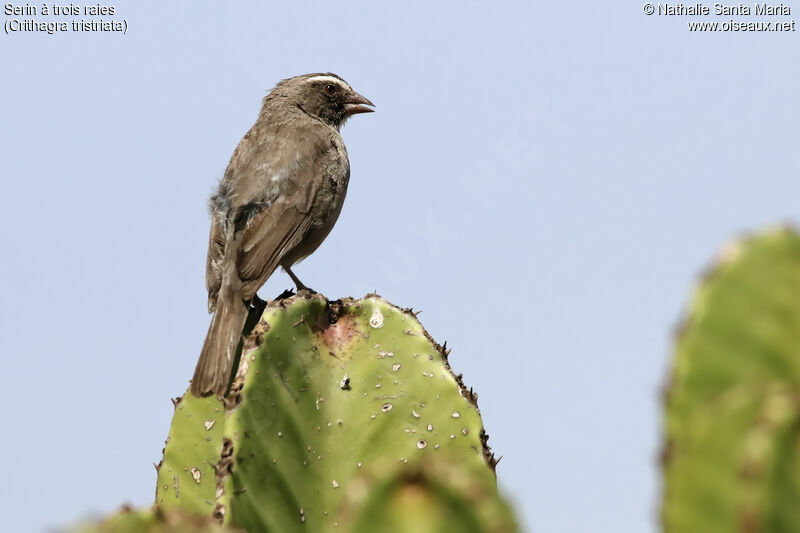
<point>544,180</point>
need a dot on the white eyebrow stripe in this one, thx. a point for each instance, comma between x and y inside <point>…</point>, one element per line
<point>329,79</point>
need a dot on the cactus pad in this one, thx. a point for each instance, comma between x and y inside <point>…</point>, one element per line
<point>327,394</point>
<point>732,459</point>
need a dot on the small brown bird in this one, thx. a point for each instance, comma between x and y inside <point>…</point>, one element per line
<point>277,201</point>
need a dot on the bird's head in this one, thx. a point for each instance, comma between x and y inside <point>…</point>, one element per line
<point>325,96</point>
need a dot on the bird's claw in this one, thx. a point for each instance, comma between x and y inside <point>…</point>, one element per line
<point>288,293</point>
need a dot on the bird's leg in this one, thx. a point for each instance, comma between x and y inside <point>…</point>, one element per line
<point>296,280</point>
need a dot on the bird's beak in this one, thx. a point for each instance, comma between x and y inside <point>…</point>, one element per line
<point>354,104</point>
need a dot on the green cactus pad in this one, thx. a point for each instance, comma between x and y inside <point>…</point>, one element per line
<point>156,521</point>
<point>325,391</point>
<point>432,496</point>
<point>732,458</point>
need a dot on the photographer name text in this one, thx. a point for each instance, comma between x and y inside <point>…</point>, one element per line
<point>745,10</point>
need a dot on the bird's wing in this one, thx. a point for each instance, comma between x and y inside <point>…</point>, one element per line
<point>277,224</point>
<point>273,232</point>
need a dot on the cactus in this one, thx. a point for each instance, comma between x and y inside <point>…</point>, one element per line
<point>432,496</point>
<point>337,409</point>
<point>732,458</point>
<point>156,521</point>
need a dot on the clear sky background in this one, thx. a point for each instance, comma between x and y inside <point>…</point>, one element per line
<point>544,180</point>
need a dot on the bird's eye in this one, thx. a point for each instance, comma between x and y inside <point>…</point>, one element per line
<point>330,90</point>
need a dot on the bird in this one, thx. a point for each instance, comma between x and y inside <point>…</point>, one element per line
<point>278,199</point>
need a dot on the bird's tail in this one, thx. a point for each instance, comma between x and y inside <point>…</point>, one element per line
<point>213,370</point>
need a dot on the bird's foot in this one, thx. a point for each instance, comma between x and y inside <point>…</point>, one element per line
<point>288,293</point>
<point>257,302</point>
